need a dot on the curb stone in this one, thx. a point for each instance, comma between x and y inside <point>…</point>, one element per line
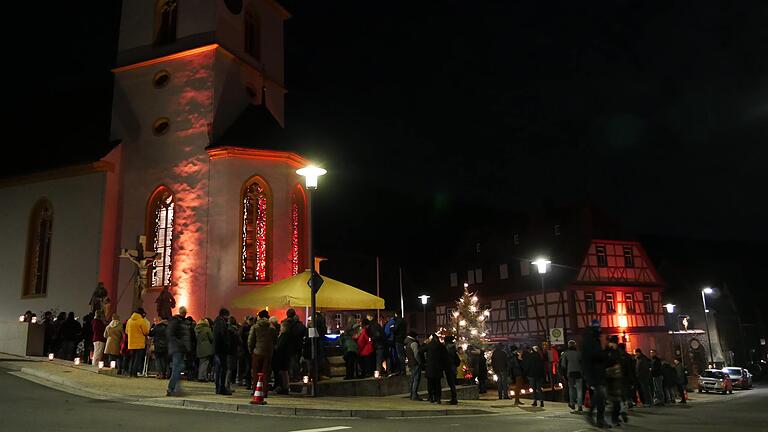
<point>248,408</point>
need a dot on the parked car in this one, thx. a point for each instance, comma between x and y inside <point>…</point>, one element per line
<point>740,377</point>
<point>715,380</point>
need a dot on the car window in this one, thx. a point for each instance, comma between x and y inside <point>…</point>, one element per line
<point>710,374</point>
<point>733,371</point>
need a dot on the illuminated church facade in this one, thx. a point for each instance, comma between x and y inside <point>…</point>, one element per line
<point>197,165</point>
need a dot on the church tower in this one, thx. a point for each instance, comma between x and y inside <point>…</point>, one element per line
<point>186,72</point>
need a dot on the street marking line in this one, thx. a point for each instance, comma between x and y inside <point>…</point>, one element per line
<point>328,429</point>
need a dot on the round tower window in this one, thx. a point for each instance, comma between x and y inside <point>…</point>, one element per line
<point>234,6</point>
<point>161,126</point>
<point>161,79</point>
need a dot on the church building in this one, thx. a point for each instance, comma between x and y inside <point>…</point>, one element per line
<point>198,170</point>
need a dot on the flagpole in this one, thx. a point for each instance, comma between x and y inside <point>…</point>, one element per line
<point>378,311</point>
<point>402,303</point>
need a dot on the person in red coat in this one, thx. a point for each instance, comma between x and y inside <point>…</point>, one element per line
<point>99,341</point>
<point>365,350</point>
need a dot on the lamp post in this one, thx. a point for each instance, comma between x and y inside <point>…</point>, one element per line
<point>670,310</point>
<point>310,174</point>
<point>541,266</point>
<point>424,299</point>
<point>707,290</point>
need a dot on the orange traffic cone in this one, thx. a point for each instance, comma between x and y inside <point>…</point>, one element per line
<point>258,394</point>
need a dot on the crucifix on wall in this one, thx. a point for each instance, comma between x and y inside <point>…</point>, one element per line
<point>142,259</point>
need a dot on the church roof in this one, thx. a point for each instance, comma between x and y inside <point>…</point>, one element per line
<point>255,128</point>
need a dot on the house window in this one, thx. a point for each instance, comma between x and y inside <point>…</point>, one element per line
<point>629,260</point>
<point>337,320</point>
<point>503,271</point>
<point>165,22</point>
<point>512,310</point>
<point>479,275</point>
<point>160,235</point>
<point>358,317</point>
<point>556,229</point>
<point>454,279</point>
<point>525,268</point>
<point>38,249</point>
<point>298,213</point>
<point>448,314</point>
<point>609,303</point>
<point>522,308</point>
<point>471,276</point>
<point>589,302</point>
<point>253,35</point>
<point>602,259</point>
<point>254,234</point>
<point>629,301</point>
<point>516,239</point>
<point>648,303</point>
<point>477,247</point>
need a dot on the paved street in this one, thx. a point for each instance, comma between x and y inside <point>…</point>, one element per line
<point>25,405</point>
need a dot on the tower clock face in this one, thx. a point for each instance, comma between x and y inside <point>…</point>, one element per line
<point>234,6</point>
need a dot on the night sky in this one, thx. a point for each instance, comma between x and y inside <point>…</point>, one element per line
<point>432,115</point>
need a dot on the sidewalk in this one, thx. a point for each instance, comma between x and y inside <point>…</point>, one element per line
<point>85,381</point>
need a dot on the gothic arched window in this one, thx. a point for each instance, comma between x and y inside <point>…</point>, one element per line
<point>160,235</point>
<point>165,21</point>
<point>255,226</point>
<point>38,249</point>
<point>298,218</point>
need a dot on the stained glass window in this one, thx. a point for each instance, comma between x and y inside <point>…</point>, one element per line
<point>39,249</point>
<point>255,239</point>
<point>297,231</point>
<point>161,235</point>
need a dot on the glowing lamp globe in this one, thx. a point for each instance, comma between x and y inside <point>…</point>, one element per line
<point>708,290</point>
<point>311,173</point>
<point>670,307</point>
<point>541,265</point>
<point>424,299</point>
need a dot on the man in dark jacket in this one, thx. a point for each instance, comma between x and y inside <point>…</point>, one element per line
<point>681,379</point>
<point>452,362</point>
<point>643,374</point>
<point>70,334</point>
<point>400,330</point>
<point>593,364</point>
<point>571,362</point>
<point>160,339</point>
<point>87,337</point>
<point>244,366</point>
<point>500,364</point>
<point>657,375</point>
<point>221,350</point>
<point>376,333</point>
<point>436,358</point>
<point>177,336</point>
<point>534,368</point>
<point>414,353</point>
<point>516,373</point>
<point>629,372</point>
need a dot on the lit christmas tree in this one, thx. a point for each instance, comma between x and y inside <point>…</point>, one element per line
<point>468,322</point>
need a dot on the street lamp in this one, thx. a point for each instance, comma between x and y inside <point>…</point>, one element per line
<point>310,174</point>
<point>541,266</point>
<point>424,299</point>
<point>670,310</point>
<point>707,290</point>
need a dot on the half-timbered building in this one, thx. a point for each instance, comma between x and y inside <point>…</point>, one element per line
<point>596,273</point>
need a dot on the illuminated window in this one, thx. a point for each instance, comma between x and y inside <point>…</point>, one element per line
<point>589,302</point>
<point>629,301</point>
<point>629,260</point>
<point>479,275</point>
<point>516,239</point>
<point>38,249</point>
<point>471,276</point>
<point>556,229</point>
<point>602,259</point>
<point>255,241</point>
<point>160,235</point>
<point>298,216</point>
<point>165,22</point>
<point>512,310</point>
<point>648,303</point>
<point>522,308</point>
<point>609,303</point>
<point>449,313</point>
<point>337,320</point>
<point>252,35</point>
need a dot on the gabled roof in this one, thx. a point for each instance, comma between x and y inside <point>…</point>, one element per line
<point>255,128</point>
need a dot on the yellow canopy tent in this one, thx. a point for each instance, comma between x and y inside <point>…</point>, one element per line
<point>294,292</point>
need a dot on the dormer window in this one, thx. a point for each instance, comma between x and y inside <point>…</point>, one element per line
<point>629,260</point>
<point>602,258</point>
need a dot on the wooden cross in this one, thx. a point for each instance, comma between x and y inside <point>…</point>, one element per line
<point>142,259</point>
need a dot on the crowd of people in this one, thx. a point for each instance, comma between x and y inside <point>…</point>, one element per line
<point>229,353</point>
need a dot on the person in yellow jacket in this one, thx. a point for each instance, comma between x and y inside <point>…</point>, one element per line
<point>137,330</point>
